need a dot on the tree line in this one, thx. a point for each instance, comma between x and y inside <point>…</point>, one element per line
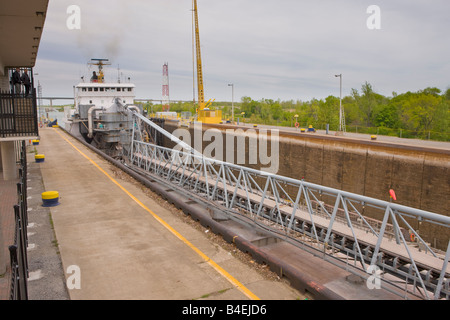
<point>422,114</point>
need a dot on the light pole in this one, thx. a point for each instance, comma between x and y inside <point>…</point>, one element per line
<point>39,96</point>
<point>341,111</point>
<point>232,101</point>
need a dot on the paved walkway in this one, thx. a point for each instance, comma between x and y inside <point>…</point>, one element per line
<point>117,243</point>
<point>107,239</point>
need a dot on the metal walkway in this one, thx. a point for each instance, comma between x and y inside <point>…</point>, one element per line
<point>323,220</point>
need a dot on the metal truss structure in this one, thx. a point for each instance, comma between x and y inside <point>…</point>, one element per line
<point>329,222</point>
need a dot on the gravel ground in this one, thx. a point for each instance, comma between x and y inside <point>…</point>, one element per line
<point>46,279</point>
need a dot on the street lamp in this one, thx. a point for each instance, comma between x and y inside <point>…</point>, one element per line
<point>341,111</point>
<point>39,96</point>
<point>232,101</point>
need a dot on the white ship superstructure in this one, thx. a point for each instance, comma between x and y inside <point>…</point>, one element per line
<point>102,113</point>
<point>103,94</point>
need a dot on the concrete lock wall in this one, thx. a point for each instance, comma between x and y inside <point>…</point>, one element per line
<point>420,177</point>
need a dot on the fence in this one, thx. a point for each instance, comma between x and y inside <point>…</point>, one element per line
<point>18,251</point>
<point>402,133</point>
<point>18,115</point>
<point>394,132</point>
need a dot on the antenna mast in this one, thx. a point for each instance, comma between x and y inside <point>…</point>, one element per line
<point>100,63</point>
<point>165,88</point>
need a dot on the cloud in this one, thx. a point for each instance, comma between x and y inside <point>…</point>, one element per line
<point>287,49</point>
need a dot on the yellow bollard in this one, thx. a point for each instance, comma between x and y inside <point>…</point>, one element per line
<point>39,158</point>
<point>50,198</point>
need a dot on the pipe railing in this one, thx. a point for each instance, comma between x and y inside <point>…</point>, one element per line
<point>329,218</point>
<point>18,250</point>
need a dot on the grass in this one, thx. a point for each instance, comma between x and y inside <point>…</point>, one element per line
<point>212,293</point>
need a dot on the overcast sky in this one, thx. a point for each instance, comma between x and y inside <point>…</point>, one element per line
<point>284,49</point>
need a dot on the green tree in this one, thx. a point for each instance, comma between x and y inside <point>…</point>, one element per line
<point>387,117</point>
<point>447,94</point>
<point>351,111</point>
<point>276,110</point>
<point>420,111</point>
<point>250,106</point>
<point>366,102</point>
<point>309,113</point>
<point>329,112</point>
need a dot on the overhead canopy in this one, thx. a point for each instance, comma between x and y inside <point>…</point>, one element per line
<point>21,25</point>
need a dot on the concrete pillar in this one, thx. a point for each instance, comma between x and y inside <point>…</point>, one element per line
<point>9,160</point>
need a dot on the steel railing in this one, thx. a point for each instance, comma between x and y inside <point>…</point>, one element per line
<point>18,250</point>
<point>327,220</point>
<point>18,114</point>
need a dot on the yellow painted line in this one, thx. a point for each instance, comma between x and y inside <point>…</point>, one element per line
<point>213,264</point>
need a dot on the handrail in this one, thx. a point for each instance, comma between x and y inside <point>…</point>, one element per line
<point>18,250</point>
<point>263,195</point>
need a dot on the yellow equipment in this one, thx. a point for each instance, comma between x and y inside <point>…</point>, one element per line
<point>204,114</point>
<point>100,64</point>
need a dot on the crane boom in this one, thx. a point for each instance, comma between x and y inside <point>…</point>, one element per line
<point>204,114</point>
<point>201,94</point>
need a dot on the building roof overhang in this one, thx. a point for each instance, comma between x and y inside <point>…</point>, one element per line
<point>21,26</point>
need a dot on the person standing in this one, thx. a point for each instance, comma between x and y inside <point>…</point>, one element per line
<point>26,82</point>
<point>16,82</point>
<point>94,77</point>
